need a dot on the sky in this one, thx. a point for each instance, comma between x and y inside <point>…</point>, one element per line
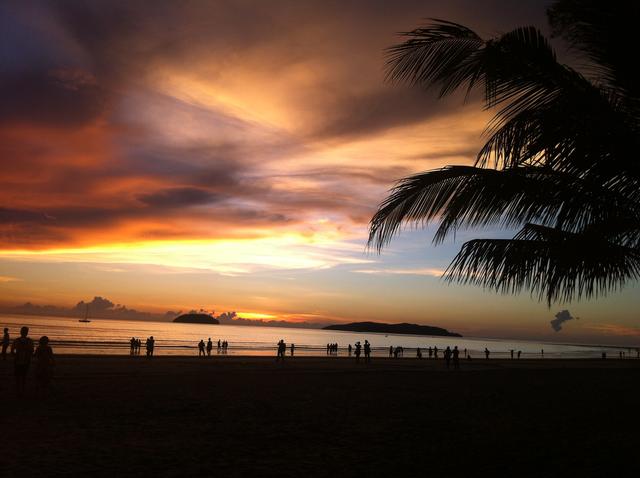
<point>229,155</point>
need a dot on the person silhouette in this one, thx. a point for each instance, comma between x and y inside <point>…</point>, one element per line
<point>390,350</point>
<point>456,358</point>
<point>282,347</point>
<point>201,348</point>
<point>349,349</point>
<point>418,353</point>
<point>367,351</point>
<point>435,353</point>
<point>293,348</point>
<point>519,353</point>
<point>447,356</point>
<point>22,350</point>
<point>209,346</point>
<point>6,340</point>
<point>357,352</point>
<point>486,353</point>
<point>44,365</point>
<point>430,350</point>
<point>511,354</point>
<point>132,346</point>
<point>150,346</point>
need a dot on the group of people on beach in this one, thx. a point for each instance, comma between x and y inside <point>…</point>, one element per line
<point>367,351</point>
<point>135,345</point>
<point>23,350</point>
<point>223,345</point>
<point>332,349</point>
<point>282,350</point>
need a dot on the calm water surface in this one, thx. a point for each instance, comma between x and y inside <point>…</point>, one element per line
<point>102,336</point>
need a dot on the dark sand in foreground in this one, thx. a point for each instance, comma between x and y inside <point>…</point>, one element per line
<point>235,416</point>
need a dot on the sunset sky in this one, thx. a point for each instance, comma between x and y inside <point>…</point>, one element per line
<point>229,155</point>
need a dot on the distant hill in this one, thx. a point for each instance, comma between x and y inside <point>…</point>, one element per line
<point>196,319</point>
<point>407,329</point>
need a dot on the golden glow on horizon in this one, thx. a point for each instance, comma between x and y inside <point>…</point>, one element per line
<point>239,256</point>
<point>256,315</point>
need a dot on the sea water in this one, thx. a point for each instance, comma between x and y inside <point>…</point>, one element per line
<point>103,336</point>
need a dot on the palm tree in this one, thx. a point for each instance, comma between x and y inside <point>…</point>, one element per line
<point>560,162</point>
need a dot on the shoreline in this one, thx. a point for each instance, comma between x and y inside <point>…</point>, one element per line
<point>345,362</point>
<point>298,329</point>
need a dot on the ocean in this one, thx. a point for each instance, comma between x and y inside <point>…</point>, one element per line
<point>102,336</point>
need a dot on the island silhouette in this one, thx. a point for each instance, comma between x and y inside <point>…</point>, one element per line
<point>196,319</point>
<point>404,328</point>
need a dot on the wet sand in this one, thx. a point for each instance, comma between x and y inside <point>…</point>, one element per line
<point>248,416</point>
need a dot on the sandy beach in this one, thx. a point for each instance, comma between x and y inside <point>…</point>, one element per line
<point>242,416</point>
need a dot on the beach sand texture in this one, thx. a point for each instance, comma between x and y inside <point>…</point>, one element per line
<point>249,416</point>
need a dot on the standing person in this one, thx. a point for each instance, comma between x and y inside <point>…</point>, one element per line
<point>6,340</point>
<point>293,348</point>
<point>418,353</point>
<point>367,351</point>
<point>519,353</point>
<point>132,346</point>
<point>349,348</point>
<point>209,347</point>
<point>430,352</point>
<point>456,358</point>
<point>390,350</point>
<point>150,346</point>
<point>44,365</point>
<point>282,347</point>
<point>357,352</point>
<point>435,353</point>
<point>511,354</point>
<point>447,356</point>
<point>201,348</point>
<point>22,350</point>
<point>542,352</point>
<point>486,353</point>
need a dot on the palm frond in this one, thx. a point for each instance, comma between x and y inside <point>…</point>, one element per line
<point>554,265</point>
<point>467,197</point>
<point>442,52</point>
<point>518,65</point>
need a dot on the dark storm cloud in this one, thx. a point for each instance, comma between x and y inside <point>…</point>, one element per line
<point>178,197</point>
<point>43,77</point>
<point>16,216</point>
<point>63,98</point>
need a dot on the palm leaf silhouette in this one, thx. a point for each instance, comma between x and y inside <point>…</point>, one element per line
<point>559,161</point>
